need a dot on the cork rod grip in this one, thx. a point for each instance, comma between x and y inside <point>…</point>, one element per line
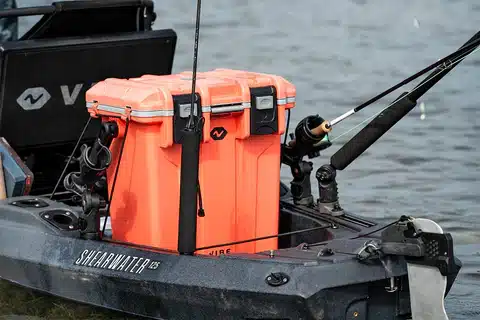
<point>322,129</point>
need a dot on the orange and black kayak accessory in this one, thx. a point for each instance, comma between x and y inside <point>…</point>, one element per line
<point>243,117</point>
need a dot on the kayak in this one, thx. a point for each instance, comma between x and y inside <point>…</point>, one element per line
<point>172,206</point>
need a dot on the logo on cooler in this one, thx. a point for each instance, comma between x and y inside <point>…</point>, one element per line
<point>218,133</point>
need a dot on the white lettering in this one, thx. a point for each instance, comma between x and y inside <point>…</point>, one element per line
<point>116,261</point>
<point>144,264</point>
<point>124,263</point>
<point>133,260</point>
<point>136,265</point>
<point>99,262</point>
<point>81,257</point>
<point>94,258</point>
<point>70,98</point>
<point>110,256</point>
<point>90,255</point>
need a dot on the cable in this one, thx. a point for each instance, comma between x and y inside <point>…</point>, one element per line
<point>117,169</point>
<point>71,157</point>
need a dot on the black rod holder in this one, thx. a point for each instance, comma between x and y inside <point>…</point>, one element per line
<point>187,223</point>
<point>372,132</point>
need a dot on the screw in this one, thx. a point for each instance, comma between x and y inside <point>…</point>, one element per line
<point>47,216</point>
<point>392,287</point>
<point>70,227</point>
<point>37,205</point>
<point>271,254</point>
<point>304,246</point>
<point>67,213</point>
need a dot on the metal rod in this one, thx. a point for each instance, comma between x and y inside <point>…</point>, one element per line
<point>195,60</point>
<point>29,11</point>
<point>41,10</point>
<point>266,237</point>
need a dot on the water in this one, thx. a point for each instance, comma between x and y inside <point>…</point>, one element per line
<point>341,53</point>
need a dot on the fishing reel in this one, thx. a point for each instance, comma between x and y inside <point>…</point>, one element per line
<point>310,137</point>
<point>93,163</point>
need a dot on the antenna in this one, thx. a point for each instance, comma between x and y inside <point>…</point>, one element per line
<point>191,119</point>
<point>189,186</point>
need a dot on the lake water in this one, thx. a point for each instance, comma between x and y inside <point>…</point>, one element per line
<point>341,53</point>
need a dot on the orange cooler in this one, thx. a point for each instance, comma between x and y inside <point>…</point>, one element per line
<point>239,167</point>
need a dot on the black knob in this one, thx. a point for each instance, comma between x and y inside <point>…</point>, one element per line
<point>276,279</point>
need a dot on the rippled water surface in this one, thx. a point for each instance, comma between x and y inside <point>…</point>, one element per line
<point>341,53</point>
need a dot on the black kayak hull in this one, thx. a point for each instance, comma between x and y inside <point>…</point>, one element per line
<point>164,285</point>
<point>182,286</point>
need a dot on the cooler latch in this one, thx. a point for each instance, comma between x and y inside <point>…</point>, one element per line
<point>263,113</point>
<point>181,113</point>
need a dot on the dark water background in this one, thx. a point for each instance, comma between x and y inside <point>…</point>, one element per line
<point>341,53</point>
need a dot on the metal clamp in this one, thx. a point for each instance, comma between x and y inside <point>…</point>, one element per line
<point>369,248</point>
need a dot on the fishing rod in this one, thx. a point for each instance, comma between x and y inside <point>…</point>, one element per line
<point>310,133</point>
<point>444,63</point>
<point>313,129</point>
<point>388,117</point>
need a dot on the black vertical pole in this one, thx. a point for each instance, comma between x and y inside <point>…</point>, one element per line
<point>191,136</point>
<point>187,225</point>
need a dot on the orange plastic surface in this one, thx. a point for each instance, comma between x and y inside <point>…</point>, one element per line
<point>239,175</point>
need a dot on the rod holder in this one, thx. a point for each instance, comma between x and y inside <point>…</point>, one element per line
<point>187,223</point>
